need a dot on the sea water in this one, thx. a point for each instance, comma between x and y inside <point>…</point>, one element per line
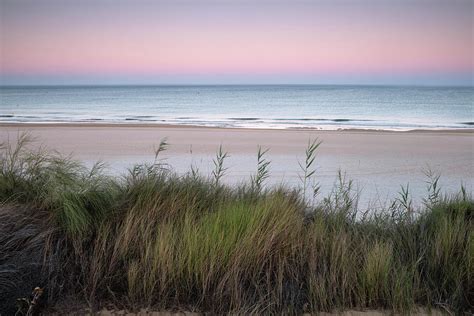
<point>245,106</point>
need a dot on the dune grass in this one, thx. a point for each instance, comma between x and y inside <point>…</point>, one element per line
<point>152,238</point>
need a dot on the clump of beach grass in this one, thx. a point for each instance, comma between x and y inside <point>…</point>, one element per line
<point>263,171</point>
<point>154,238</point>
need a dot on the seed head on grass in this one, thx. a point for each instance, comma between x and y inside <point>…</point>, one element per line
<point>262,174</point>
<point>162,146</point>
<point>308,167</point>
<point>404,198</point>
<point>219,169</point>
<point>433,188</point>
<point>157,167</point>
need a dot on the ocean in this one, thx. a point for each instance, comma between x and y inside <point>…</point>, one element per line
<point>245,106</point>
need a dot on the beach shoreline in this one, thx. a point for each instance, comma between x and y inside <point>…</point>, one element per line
<point>186,126</point>
<point>116,140</point>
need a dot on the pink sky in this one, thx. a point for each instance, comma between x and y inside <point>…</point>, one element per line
<point>50,41</point>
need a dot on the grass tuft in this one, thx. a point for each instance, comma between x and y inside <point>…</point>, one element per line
<point>153,238</point>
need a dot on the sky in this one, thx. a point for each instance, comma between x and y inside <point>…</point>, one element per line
<point>423,42</point>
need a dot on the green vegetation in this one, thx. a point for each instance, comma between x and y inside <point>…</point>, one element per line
<point>152,238</point>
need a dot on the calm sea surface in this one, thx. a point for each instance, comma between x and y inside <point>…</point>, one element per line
<point>257,106</point>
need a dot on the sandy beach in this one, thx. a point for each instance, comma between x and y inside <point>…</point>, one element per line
<point>377,160</point>
<point>115,140</point>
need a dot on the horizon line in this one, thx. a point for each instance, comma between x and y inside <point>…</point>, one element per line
<point>427,85</point>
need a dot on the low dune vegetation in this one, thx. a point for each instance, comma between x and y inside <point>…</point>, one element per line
<point>154,239</point>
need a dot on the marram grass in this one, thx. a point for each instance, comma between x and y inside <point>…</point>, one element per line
<point>152,238</point>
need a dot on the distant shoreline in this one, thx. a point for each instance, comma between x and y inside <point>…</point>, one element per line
<point>415,85</point>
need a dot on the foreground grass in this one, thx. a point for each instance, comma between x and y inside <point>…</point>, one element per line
<point>152,238</point>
